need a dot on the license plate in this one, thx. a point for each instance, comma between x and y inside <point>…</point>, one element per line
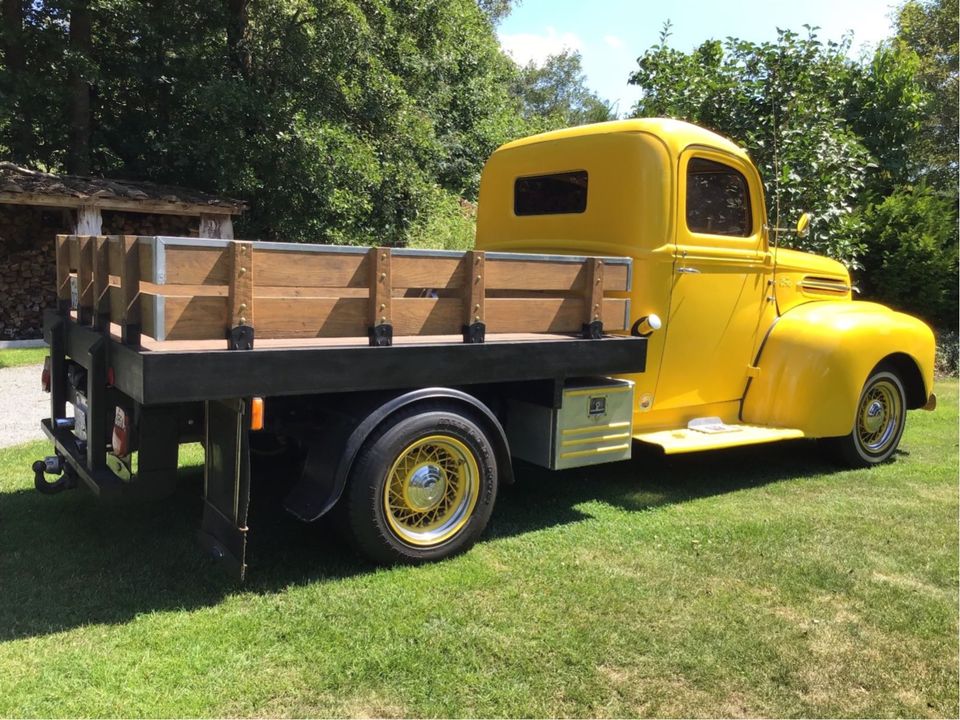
<point>74,293</point>
<point>80,417</point>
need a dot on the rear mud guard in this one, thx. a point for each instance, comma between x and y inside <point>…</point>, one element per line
<point>226,483</point>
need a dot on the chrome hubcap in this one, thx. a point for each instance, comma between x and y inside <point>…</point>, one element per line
<point>425,487</point>
<point>881,413</point>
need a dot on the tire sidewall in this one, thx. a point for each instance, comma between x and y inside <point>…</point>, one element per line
<point>865,456</point>
<point>367,515</point>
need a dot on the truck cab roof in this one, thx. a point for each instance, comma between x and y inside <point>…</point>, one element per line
<point>676,134</point>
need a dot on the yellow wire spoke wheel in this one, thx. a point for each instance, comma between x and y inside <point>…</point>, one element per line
<point>431,490</point>
<point>879,417</point>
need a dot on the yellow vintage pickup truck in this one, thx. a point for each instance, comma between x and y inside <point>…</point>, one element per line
<point>748,343</point>
<point>623,289</point>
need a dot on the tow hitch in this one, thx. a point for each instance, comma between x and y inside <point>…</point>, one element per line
<point>52,465</point>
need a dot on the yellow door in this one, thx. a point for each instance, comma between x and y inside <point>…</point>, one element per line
<point>719,302</point>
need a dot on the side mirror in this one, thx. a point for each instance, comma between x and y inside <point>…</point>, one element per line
<point>803,225</point>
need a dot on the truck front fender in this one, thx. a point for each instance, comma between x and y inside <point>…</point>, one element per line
<point>336,443</point>
<point>816,358</point>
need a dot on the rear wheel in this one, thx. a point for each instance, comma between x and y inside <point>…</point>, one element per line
<point>422,487</point>
<point>878,424</point>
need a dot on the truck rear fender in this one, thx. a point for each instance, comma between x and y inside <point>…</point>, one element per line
<point>334,447</point>
<point>815,360</point>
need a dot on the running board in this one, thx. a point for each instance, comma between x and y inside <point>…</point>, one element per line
<point>715,436</point>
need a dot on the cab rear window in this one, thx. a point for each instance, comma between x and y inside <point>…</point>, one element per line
<point>556,194</point>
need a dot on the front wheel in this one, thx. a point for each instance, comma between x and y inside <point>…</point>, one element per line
<point>878,425</point>
<point>422,488</point>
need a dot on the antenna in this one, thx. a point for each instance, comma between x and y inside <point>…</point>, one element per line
<point>776,183</point>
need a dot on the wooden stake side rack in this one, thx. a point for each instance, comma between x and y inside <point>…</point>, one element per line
<point>190,289</point>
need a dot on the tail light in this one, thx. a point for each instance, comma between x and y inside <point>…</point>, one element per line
<point>45,375</point>
<point>121,433</point>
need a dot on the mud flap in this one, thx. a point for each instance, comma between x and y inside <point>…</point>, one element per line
<point>226,483</point>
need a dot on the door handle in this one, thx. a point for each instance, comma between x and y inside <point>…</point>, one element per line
<point>688,270</point>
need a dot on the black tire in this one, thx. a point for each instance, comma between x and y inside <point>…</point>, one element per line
<point>434,454</point>
<point>878,423</point>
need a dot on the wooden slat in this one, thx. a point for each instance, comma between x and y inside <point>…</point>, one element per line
<point>615,314</point>
<point>197,265</point>
<point>548,275</point>
<point>427,316</point>
<point>379,311</point>
<point>114,254</point>
<point>427,272</point>
<point>184,318</point>
<point>63,273</point>
<point>85,279</point>
<point>130,310</point>
<point>74,252</point>
<point>474,288</point>
<point>115,300</point>
<point>312,317</point>
<point>561,315</point>
<point>200,318</point>
<point>101,284</point>
<point>309,269</point>
<point>593,291</point>
<point>240,301</point>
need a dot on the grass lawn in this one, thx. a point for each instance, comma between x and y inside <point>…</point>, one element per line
<point>758,581</point>
<point>22,356</point>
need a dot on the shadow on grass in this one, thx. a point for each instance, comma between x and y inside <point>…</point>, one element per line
<point>71,560</point>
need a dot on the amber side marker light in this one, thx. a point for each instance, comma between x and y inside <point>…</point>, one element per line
<point>256,413</point>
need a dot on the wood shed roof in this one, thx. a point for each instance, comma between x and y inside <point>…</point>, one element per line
<point>23,186</point>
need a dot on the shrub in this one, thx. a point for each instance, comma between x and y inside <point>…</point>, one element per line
<point>911,259</point>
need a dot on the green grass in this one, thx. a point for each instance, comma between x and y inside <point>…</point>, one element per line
<point>760,581</point>
<point>22,356</point>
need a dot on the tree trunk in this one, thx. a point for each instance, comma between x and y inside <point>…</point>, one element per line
<point>78,159</point>
<point>13,36</point>
<point>238,40</point>
<point>15,59</point>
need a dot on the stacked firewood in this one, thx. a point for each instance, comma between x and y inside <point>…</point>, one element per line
<point>27,280</point>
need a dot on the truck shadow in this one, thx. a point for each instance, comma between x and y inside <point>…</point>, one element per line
<point>72,560</point>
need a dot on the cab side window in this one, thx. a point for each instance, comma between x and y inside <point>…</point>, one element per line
<point>718,199</point>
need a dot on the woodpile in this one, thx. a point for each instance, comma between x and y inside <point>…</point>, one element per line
<point>27,282</point>
<point>28,260</point>
<point>127,223</point>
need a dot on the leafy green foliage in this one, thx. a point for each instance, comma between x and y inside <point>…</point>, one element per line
<point>913,260</point>
<point>868,147</point>
<point>929,29</point>
<point>783,101</point>
<point>555,94</point>
<point>334,120</point>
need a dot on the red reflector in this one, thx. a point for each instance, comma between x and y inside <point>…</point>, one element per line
<point>110,377</point>
<point>121,433</point>
<point>45,375</point>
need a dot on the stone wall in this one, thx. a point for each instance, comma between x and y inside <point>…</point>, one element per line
<point>28,264</point>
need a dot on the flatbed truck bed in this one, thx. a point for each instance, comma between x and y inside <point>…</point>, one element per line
<point>324,396</point>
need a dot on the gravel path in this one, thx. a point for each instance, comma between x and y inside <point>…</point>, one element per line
<point>22,405</point>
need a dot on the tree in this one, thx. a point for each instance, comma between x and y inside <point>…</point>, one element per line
<point>555,94</point>
<point>337,120</point>
<point>929,29</point>
<point>785,101</point>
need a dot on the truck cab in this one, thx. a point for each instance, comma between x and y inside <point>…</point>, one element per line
<point>749,343</point>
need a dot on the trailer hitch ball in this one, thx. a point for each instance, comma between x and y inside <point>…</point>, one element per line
<point>52,465</point>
